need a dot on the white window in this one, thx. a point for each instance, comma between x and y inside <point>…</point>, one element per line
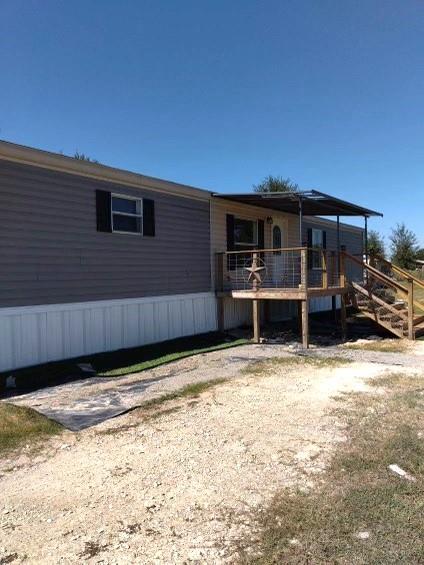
<point>245,233</point>
<point>127,214</point>
<point>317,243</point>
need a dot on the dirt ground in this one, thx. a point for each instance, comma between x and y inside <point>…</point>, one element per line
<point>178,488</point>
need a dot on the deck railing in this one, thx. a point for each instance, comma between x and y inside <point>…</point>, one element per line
<point>284,268</point>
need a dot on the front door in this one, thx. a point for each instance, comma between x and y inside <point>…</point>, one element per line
<point>277,256</point>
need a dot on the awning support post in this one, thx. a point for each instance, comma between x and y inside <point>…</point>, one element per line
<point>300,222</point>
<point>338,245</point>
<point>366,238</point>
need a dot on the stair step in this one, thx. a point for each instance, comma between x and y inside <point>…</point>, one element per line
<point>369,297</point>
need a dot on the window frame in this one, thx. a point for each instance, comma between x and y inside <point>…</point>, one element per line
<point>253,245</point>
<point>316,263</point>
<point>127,214</point>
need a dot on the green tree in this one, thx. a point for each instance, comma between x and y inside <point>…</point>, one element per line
<point>83,157</point>
<point>404,246</point>
<point>376,245</point>
<point>276,184</point>
<point>420,254</point>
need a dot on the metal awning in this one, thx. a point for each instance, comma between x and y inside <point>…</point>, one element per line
<point>312,203</point>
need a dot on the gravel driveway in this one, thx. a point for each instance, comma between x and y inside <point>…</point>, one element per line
<point>178,488</point>
<point>84,403</point>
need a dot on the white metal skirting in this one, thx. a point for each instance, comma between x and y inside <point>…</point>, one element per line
<point>37,334</point>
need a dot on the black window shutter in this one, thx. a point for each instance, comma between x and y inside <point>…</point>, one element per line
<point>324,239</point>
<point>309,232</point>
<point>103,211</point>
<point>230,232</point>
<point>309,238</point>
<point>261,234</point>
<point>148,217</point>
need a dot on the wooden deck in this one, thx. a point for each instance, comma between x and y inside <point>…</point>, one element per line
<point>298,274</point>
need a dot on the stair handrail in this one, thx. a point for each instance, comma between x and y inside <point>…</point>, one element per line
<point>408,276</point>
<point>377,274</point>
<point>402,272</point>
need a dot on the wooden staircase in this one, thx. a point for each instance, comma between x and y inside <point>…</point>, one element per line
<point>389,296</point>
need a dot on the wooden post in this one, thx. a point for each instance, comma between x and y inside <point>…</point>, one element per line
<point>304,269</point>
<point>334,307</point>
<point>254,266</point>
<point>332,268</point>
<point>256,320</point>
<point>343,315</point>
<point>411,309</point>
<point>342,273</point>
<point>305,324</point>
<point>324,269</point>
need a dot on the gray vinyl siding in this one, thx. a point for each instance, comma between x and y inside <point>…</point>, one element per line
<point>51,251</point>
<point>351,238</point>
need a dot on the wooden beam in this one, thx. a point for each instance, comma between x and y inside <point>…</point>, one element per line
<point>269,294</point>
<point>305,324</point>
<point>256,320</point>
<point>266,250</point>
<point>324,269</point>
<point>315,292</point>
<point>342,273</point>
<point>287,294</point>
<point>411,309</point>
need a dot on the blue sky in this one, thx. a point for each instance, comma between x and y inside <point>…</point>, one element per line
<point>219,94</point>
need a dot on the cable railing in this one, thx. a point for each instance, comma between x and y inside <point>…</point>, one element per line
<point>281,269</point>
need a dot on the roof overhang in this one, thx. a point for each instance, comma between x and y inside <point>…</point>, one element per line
<point>15,153</point>
<point>313,202</point>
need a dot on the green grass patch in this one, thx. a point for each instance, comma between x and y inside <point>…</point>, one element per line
<point>158,355</point>
<point>20,426</point>
<point>359,494</point>
<point>267,365</point>
<point>389,346</point>
<point>125,361</point>
<point>190,391</point>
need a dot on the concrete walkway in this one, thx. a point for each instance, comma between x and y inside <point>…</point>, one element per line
<point>85,403</point>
